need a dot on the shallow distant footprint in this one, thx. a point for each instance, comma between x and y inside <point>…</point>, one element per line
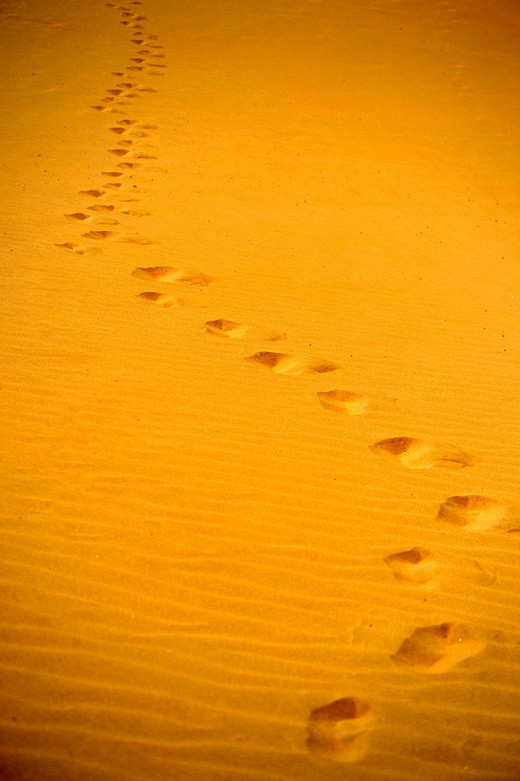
<point>159,299</point>
<point>172,274</point>
<point>230,329</point>
<point>285,363</point>
<point>340,730</point>
<point>436,649</point>
<point>99,235</point>
<point>416,566</point>
<point>344,401</point>
<point>473,512</point>
<point>78,249</point>
<point>418,454</point>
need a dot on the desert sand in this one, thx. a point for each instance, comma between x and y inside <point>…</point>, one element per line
<point>261,330</point>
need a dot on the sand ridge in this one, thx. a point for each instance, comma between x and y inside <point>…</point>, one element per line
<point>349,722</point>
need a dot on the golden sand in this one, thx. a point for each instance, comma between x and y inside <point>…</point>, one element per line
<point>225,558</point>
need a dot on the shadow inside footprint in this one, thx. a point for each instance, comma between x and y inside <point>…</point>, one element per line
<point>473,512</point>
<point>436,649</point>
<point>344,401</point>
<point>418,454</point>
<point>339,730</point>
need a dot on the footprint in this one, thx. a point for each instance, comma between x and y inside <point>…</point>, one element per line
<point>172,274</point>
<point>416,566</point>
<point>93,193</point>
<point>136,212</point>
<point>77,216</point>
<point>137,239</point>
<point>418,454</point>
<point>118,152</point>
<point>344,401</point>
<point>436,649</point>
<point>102,207</point>
<point>227,328</point>
<point>160,299</point>
<point>78,249</point>
<point>232,330</point>
<point>99,235</point>
<point>285,363</point>
<point>340,731</point>
<point>473,512</point>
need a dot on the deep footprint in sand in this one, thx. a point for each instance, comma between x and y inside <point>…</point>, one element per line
<point>436,649</point>
<point>285,363</point>
<point>473,512</point>
<point>418,454</point>
<point>172,274</point>
<point>344,401</point>
<point>159,299</point>
<point>230,329</point>
<point>340,730</point>
<point>416,566</point>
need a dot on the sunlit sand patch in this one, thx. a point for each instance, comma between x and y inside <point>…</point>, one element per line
<point>285,363</point>
<point>160,299</point>
<point>233,330</point>
<point>436,649</point>
<point>474,512</point>
<point>418,454</point>
<point>172,274</point>
<point>416,566</point>
<point>340,731</point>
<point>344,401</point>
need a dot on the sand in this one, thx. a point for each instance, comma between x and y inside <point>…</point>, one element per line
<point>260,495</point>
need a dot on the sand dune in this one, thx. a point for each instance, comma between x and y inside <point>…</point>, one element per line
<point>268,527</point>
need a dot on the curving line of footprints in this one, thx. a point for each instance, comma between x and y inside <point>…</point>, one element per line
<point>339,730</point>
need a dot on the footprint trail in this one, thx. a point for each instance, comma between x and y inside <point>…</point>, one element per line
<point>339,731</point>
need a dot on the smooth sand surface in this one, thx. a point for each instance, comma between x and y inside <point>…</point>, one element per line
<point>260,308</point>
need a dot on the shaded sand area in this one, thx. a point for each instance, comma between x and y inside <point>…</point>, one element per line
<point>260,482</point>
